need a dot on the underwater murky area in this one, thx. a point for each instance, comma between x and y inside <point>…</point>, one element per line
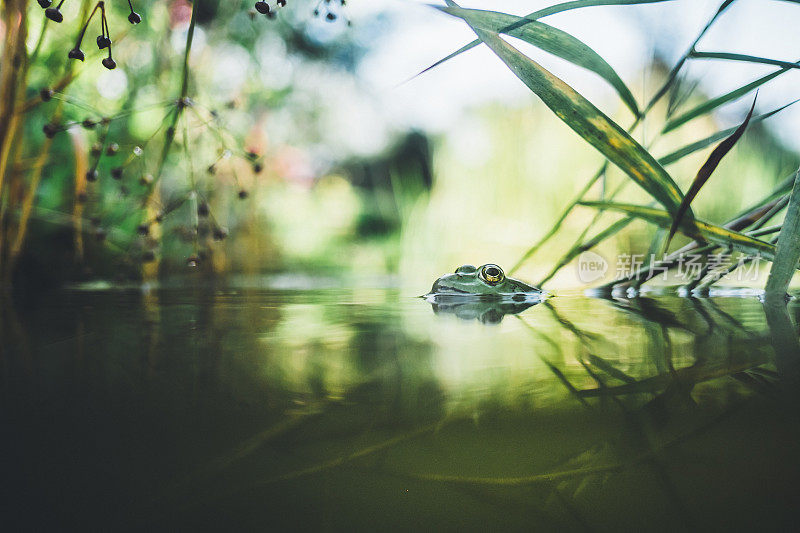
<point>335,409</point>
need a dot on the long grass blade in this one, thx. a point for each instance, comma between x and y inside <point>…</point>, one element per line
<point>691,148</point>
<point>743,57</point>
<point>552,10</point>
<point>590,123</point>
<point>549,39</point>
<point>702,230</point>
<point>706,170</point>
<point>788,254</point>
<point>714,103</point>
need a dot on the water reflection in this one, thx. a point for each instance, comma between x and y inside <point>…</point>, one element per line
<point>360,408</point>
<point>487,311</point>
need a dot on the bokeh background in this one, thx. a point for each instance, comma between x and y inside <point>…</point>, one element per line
<point>360,168</point>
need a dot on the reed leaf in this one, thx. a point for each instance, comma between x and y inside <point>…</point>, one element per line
<point>714,103</point>
<point>549,39</point>
<point>552,10</point>
<point>691,148</point>
<point>589,122</point>
<point>702,230</point>
<point>788,248</point>
<point>708,168</point>
<point>728,56</point>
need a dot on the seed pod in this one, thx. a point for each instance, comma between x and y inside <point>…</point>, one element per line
<point>116,173</point>
<point>212,169</point>
<point>91,175</point>
<point>112,149</point>
<point>53,14</point>
<point>45,3</point>
<point>97,149</point>
<point>89,124</point>
<point>143,229</point>
<point>46,94</point>
<point>243,194</point>
<point>109,63</point>
<point>103,42</point>
<point>220,234</point>
<point>262,7</point>
<point>50,130</point>
<point>134,18</point>
<point>76,53</point>
<point>257,168</point>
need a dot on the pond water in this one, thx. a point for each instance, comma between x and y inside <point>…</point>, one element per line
<point>335,409</point>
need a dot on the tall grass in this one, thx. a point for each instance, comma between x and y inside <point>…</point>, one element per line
<point>671,207</point>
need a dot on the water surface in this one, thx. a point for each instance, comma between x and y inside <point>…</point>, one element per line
<point>363,408</point>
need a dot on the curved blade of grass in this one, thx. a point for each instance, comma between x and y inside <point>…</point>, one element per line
<point>682,152</point>
<point>549,39</point>
<point>708,168</point>
<point>788,254</point>
<point>552,10</point>
<point>743,57</point>
<point>590,123</point>
<point>710,105</point>
<point>705,230</point>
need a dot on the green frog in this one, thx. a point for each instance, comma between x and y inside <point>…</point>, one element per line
<point>487,282</point>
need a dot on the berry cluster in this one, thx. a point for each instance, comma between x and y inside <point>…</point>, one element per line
<point>103,40</point>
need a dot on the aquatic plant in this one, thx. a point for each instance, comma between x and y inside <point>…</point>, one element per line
<point>744,234</point>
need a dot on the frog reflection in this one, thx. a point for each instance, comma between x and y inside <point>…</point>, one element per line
<point>483,293</point>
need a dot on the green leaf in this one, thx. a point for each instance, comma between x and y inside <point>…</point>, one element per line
<point>743,57</point>
<point>788,254</point>
<point>710,105</point>
<point>552,10</point>
<point>706,170</point>
<point>549,39</point>
<point>590,123</point>
<point>691,148</point>
<point>706,230</point>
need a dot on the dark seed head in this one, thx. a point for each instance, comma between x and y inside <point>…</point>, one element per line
<point>112,149</point>
<point>202,209</point>
<point>281,3</point>
<point>243,194</point>
<point>212,169</point>
<point>103,42</point>
<point>143,229</point>
<point>46,94</point>
<point>50,130</point>
<point>53,14</point>
<point>331,16</point>
<point>262,7</point>
<point>45,3</point>
<point>91,175</point>
<point>97,149</point>
<point>134,18</point>
<point>76,53</point>
<point>252,155</point>
<point>109,63</point>
<point>220,234</point>
<point>89,124</point>
<point>116,173</point>
<point>257,168</point>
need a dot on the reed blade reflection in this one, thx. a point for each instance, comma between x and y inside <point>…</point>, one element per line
<point>367,408</point>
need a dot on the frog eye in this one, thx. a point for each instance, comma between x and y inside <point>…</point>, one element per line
<point>466,269</point>
<point>492,274</point>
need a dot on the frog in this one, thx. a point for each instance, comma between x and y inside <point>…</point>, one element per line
<point>486,282</point>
